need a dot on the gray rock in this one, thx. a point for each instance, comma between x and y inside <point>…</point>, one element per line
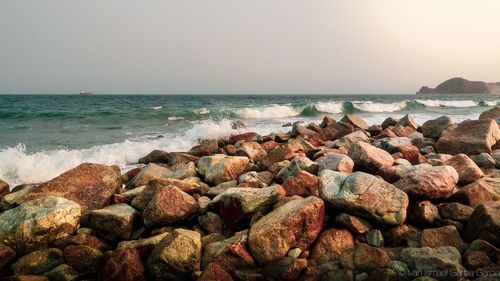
<point>368,157</point>
<point>434,128</point>
<point>336,162</point>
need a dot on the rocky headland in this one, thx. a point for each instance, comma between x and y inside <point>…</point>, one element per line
<point>462,86</point>
<point>339,200</point>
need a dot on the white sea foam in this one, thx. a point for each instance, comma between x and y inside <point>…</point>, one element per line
<point>330,107</point>
<point>447,103</point>
<point>273,111</point>
<point>202,111</point>
<point>173,118</point>
<point>490,102</point>
<point>369,106</point>
<point>156,107</point>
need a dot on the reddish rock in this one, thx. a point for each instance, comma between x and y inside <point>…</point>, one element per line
<point>252,150</point>
<point>424,212</point>
<point>476,193</point>
<point>467,170</point>
<point>476,259</point>
<point>286,151</point>
<point>231,253</point>
<point>368,157</point>
<point>206,147</point>
<point>367,258</point>
<point>442,236</point>
<point>268,146</point>
<point>401,235</point>
<point>285,268</point>
<point>186,186</point>
<point>293,225</point>
<point>407,121</point>
<point>493,113</point>
<point>388,122</point>
<point>303,184</point>
<point>155,156</point>
<point>176,158</point>
<point>7,255</point>
<point>90,185</point>
<point>353,224</point>
<point>83,258</point>
<point>149,173</point>
<point>429,182</point>
<point>123,265</point>
<point>386,133</point>
<point>330,245</point>
<point>215,272</point>
<point>327,121</point>
<point>484,223</point>
<point>86,239</point>
<point>230,149</point>
<point>403,131</point>
<point>250,136</point>
<point>169,205</point>
<point>355,120</point>
<point>412,154</point>
<point>435,128</point>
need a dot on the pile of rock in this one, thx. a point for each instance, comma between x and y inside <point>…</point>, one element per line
<point>336,201</point>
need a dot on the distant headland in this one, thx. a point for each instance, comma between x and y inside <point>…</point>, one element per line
<point>462,86</point>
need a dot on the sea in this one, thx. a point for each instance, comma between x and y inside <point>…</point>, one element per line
<point>42,136</point>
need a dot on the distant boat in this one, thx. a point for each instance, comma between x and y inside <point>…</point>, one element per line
<point>86,94</point>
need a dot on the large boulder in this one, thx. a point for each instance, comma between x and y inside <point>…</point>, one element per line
<point>38,223</point>
<point>221,168</point>
<point>330,245</point>
<point>176,257</point>
<point>293,225</point>
<point>365,195</point>
<point>435,127</point>
<point>169,205</point>
<point>90,185</point>
<point>467,170</point>
<point>355,121</point>
<point>429,182</point>
<point>286,151</point>
<point>442,259</point>
<point>113,221</point>
<point>476,193</point>
<point>484,223</point>
<point>368,157</point>
<point>123,265</point>
<point>148,173</point>
<point>493,113</point>
<point>469,137</point>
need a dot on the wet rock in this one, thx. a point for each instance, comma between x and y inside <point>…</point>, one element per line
<point>148,173</point>
<point>252,150</point>
<point>41,222</point>
<point>293,225</point>
<point>286,151</point>
<point>215,272</point>
<point>435,127</point>
<point>38,262</point>
<point>303,184</point>
<point>183,171</point>
<point>63,272</point>
<point>83,258</point>
<point>484,223</point>
<point>455,211</point>
<point>220,168</point>
<point>467,170</point>
<point>355,120</point>
<point>169,205</point>
<point>443,259</point>
<point>442,236</point>
<point>353,224</point>
<point>368,157</point>
<point>330,245</point>
<point>364,195</point>
<point>476,193</point>
<point>123,265</point>
<point>469,137</point>
<point>335,162</point>
<point>143,246</point>
<point>299,163</point>
<point>176,158</point>
<point>90,185</point>
<point>231,253</point>
<point>155,156</point>
<point>113,221</point>
<point>429,182</point>
<point>285,268</point>
<point>176,257</point>
<point>249,136</point>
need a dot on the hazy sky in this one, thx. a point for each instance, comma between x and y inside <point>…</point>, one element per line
<point>245,46</point>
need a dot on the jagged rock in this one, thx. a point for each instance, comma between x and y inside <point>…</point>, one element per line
<point>183,171</point>
<point>113,221</point>
<point>327,121</point>
<point>4,188</point>
<point>169,205</point>
<point>355,120</point>
<point>364,195</point>
<point>123,265</point>
<point>368,157</point>
<point>299,129</point>
<point>148,173</point>
<point>467,170</point>
<point>434,128</point>
<point>411,153</point>
<point>442,236</point>
<point>388,122</point>
<point>249,136</point>
<point>335,162</point>
<point>330,245</point>
<point>38,262</point>
<point>429,182</point>
<point>484,223</point>
<point>293,225</point>
<point>365,257</point>
<point>407,120</point>
<point>176,257</point>
<point>90,185</point>
<point>476,259</point>
<point>231,253</point>
<point>303,184</point>
<point>83,258</point>
<point>15,198</point>
<point>299,163</point>
<point>214,191</point>
<point>40,221</point>
<point>353,224</point>
<point>476,193</point>
<point>220,168</point>
<point>469,137</point>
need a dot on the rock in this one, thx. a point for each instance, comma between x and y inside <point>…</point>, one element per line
<point>483,160</point>
<point>4,188</point>
<point>303,184</point>
<point>294,253</point>
<point>86,239</point>
<point>155,156</point>
<point>467,170</point>
<point>132,193</point>
<point>335,131</point>
<point>391,144</point>
<point>368,258</point>
<point>206,147</point>
<point>83,258</point>
<point>493,113</point>
<point>484,223</point>
<point>252,150</point>
<point>330,245</point>
<point>374,130</point>
<point>212,223</point>
<point>214,191</point>
<point>299,163</point>
<point>148,173</point>
<point>284,152</point>
<point>355,120</point>
<point>143,246</point>
<point>90,185</point>
<point>412,154</point>
<point>169,205</point>
<point>40,221</point>
<point>429,182</point>
<point>375,238</point>
<point>189,187</point>
<point>124,265</point>
<point>407,120</point>
<point>425,212</point>
<point>249,136</point>
<point>476,193</point>
<point>285,268</point>
<point>293,225</point>
<point>364,195</point>
<point>353,224</point>
<point>442,236</point>
<point>348,140</point>
<point>26,278</point>
<point>176,158</point>
<point>401,235</point>
<point>403,131</point>
<point>15,198</point>
<point>385,274</point>
<point>231,253</point>
<point>299,129</point>
<point>176,257</point>
<point>441,259</point>
<point>7,254</point>
<point>215,272</point>
<point>38,262</point>
<point>327,121</point>
<point>469,137</point>
<point>220,168</point>
<point>183,171</point>
<point>236,203</point>
<point>455,211</point>
<point>63,272</point>
<point>368,157</point>
<point>113,221</point>
<point>389,122</point>
<point>434,128</point>
<point>335,162</point>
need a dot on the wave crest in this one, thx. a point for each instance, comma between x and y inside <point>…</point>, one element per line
<point>369,106</point>
<point>448,103</point>
<point>273,111</point>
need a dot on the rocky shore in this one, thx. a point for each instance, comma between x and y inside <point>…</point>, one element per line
<point>339,200</point>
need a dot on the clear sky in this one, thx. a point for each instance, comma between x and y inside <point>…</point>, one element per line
<point>245,46</point>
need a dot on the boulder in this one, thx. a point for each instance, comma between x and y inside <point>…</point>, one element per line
<point>476,193</point>
<point>206,147</point>
<point>113,221</point>
<point>368,157</point>
<point>15,197</point>
<point>442,236</point>
<point>176,257</point>
<point>364,195</point>
<point>368,258</point>
<point>303,184</point>
<point>354,224</point>
<point>327,121</point>
<point>375,238</point>
<point>123,265</point>
<point>440,259</point>
<point>38,262</point>
<point>215,272</point>
<point>455,211</point>
<point>183,171</point>
<point>429,182</point>
<point>155,156</point>
<point>493,113</point>
<point>143,246</point>
<point>83,258</point>
<point>285,268</point>
<point>286,151</point>
<point>299,163</point>
<point>169,205</point>
<point>411,153</point>
<point>38,223</point>
<point>293,225</point>
<point>467,170</point>
<point>7,254</point>
<point>355,121</point>
<point>90,185</point>
<point>469,137</point>
<point>185,185</point>
<point>220,168</point>
<point>335,162</point>
<point>330,245</point>
<point>148,173</point>
<point>252,150</point>
<point>484,223</point>
<point>299,129</point>
<point>434,128</point>
<point>231,253</point>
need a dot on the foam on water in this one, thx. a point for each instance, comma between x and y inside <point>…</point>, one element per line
<point>447,103</point>
<point>369,106</point>
<point>202,111</point>
<point>273,111</point>
<point>330,107</point>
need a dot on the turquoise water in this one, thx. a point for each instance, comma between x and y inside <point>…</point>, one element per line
<point>43,135</point>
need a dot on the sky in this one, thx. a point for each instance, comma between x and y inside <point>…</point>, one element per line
<point>242,46</point>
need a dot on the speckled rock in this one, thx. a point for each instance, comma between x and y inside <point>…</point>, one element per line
<point>429,182</point>
<point>113,221</point>
<point>169,205</point>
<point>150,172</point>
<point>124,265</point>
<point>220,168</point>
<point>368,157</point>
<point>330,245</point>
<point>38,262</point>
<point>335,162</point>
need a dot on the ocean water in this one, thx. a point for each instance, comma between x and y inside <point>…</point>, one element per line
<point>42,136</point>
